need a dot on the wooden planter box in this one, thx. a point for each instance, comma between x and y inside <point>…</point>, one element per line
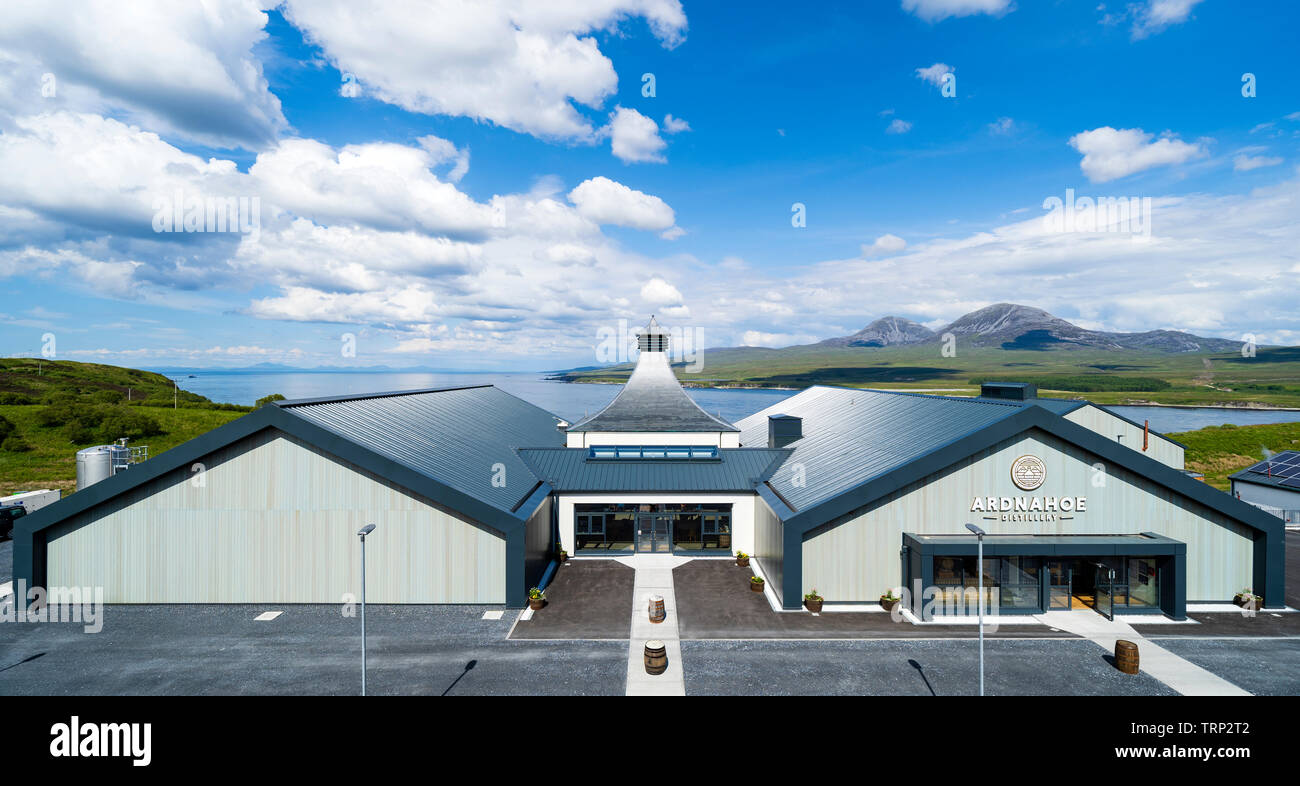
<point>756,586</point>
<point>815,606</point>
<point>536,604</point>
<point>742,562</point>
<point>888,605</point>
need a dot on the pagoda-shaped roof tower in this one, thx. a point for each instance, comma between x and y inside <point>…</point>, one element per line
<point>653,400</point>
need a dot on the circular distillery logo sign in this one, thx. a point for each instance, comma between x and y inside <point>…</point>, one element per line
<point>1028,472</point>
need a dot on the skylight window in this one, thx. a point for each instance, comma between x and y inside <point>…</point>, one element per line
<point>659,452</point>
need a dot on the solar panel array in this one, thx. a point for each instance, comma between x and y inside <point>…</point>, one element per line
<point>1284,468</point>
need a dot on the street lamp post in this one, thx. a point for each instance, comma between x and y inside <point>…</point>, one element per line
<point>362,533</point>
<point>979,572</point>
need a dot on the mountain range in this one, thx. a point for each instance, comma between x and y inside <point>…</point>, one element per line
<point>1012,326</point>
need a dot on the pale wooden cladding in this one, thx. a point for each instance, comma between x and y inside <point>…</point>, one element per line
<point>274,520</point>
<point>1099,420</point>
<point>859,559</point>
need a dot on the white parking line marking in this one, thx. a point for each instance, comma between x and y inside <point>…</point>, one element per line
<point>267,616</point>
<point>493,615</point>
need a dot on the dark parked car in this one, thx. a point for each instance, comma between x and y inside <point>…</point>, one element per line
<point>7,518</point>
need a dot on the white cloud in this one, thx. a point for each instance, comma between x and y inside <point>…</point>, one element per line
<point>183,69</point>
<point>1157,15</point>
<point>938,10</point>
<point>1110,153</point>
<point>885,244</point>
<point>442,151</point>
<point>381,185</point>
<point>363,234</point>
<point>675,125</point>
<point>100,175</point>
<point>758,338</point>
<point>405,305</point>
<point>658,292</point>
<point>518,64</point>
<point>898,126</point>
<point>934,74</point>
<point>1244,162</point>
<point>605,201</point>
<point>1215,265</point>
<point>1002,126</point>
<point>634,138</point>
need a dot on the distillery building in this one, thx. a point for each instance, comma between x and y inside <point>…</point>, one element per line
<point>1272,485</point>
<point>849,491</point>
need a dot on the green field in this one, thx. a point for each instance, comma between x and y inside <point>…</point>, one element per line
<point>51,409</point>
<point>1271,379</point>
<point>1219,451</point>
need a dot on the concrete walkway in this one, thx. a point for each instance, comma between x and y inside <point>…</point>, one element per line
<point>1182,675</point>
<point>654,576</point>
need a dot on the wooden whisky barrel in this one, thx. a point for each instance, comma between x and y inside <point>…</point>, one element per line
<point>656,657</point>
<point>1126,656</point>
<point>657,612</point>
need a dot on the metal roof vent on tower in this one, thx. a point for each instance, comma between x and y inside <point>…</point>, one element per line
<point>652,337</point>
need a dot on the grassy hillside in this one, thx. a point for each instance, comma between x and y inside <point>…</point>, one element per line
<point>1219,451</point>
<point>51,409</point>
<point>1272,378</point>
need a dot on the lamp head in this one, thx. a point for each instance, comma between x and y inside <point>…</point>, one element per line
<point>366,530</point>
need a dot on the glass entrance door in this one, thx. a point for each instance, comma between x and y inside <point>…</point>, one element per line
<point>654,532</point>
<point>1104,590</point>
<point>1060,584</point>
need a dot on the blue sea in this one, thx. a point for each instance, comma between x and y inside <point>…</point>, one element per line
<point>572,401</point>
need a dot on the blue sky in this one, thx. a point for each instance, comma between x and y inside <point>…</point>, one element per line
<point>498,188</point>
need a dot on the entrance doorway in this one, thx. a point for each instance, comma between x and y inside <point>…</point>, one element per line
<point>1109,574</point>
<point>1083,583</point>
<point>654,532</point>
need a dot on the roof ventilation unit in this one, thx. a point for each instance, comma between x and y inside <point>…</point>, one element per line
<point>783,429</point>
<point>1013,391</point>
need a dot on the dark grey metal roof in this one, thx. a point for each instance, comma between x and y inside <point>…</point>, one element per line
<point>653,401</point>
<point>852,435</point>
<point>1060,406</point>
<point>735,470</point>
<point>453,435</point>
<point>1281,470</point>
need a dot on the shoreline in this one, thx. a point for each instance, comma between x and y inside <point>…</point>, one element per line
<point>1249,406</point>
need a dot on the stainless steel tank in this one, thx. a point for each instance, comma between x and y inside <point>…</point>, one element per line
<point>94,464</point>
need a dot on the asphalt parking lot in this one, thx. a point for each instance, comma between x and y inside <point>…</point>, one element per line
<point>1262,666</point>
<point>1065,667</point>
<point>734,646</point>
<point>307,650</point>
